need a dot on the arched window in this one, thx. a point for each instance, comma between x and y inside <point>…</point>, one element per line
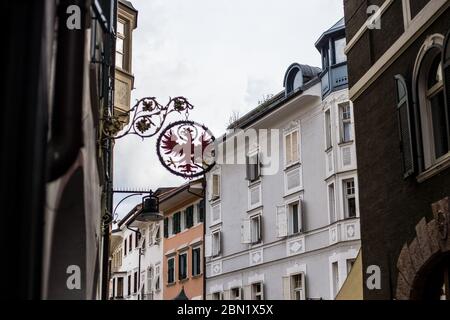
<point>432,107</point>
<point>446,74</point>
<point>294,80</point>
<point>404,124</point>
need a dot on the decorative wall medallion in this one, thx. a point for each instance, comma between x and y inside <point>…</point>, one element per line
<point>185,148</point>
<point>256,257</point>
<point>350,231</point>
<point>296,246</point>
<point>333,235</point>
<point>216,268</point>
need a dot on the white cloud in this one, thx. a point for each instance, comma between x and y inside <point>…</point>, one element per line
<point>223,55</point>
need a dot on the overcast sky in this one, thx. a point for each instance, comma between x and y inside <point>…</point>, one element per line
<point>223,55</point>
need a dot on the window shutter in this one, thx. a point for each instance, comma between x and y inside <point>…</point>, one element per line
<point>404,123</point>
<point>303,286</point>
<point>201,211</point>
<point>301,216</point>
<point>157,234</point>
<point>288,149</point>
<point>166,227</point>
<point>215,186</point>
<point>246,231</point>
<point>287,288</point>
<point>190,217</point>
<point>282,222</point>
<point>219,251</point>
<point>248,168</point>
<point>446,73</point>
<point>295,153</point>
<point>260,227</point>
<point>263,291</point>
<point>208,245</point>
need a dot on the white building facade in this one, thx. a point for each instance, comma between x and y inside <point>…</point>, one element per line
<point>136,259</point>
<point>288,231</point>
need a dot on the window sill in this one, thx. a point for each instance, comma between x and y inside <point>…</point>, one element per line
<point>345,143</point>
<point>215,224</point>
<point>215,258</point>
<point>171,284</point>
<point>289,193</point>
<point>214,200</point>
<point>441,165</point>
<point>254,182</point>
<point>256,245</point>
<point>329,149</point>
<point>197,276</point>
<point>290,166</point>
<point>183,280</point>
<point>255,208</point>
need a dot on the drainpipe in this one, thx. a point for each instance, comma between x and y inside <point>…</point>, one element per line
<point>204,234</point>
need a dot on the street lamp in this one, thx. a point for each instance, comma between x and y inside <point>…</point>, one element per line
<point>150,209</point>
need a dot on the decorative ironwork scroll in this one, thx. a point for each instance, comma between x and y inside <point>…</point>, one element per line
<point>147,118</point>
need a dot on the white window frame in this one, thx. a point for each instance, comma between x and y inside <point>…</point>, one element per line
<point>250,155</point>
<point>335,278</point>
<point>123,38</point>
<point>332,207</point>
<point>214,195</point>
<point>257,294</point>
<point>343,122</point>
<point>293,289</point>
<point>218,295</point>
<point>216,252</point>
<point>424,95</point>
<point>247,230</point>
<point>291,162</point>
<point>156,232</point>
<point>290,219</point>
<point>346,197</point>
<point>238,297</point>
<point>157,277</point>
<point>328,129</point>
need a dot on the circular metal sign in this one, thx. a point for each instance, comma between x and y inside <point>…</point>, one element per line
<point>186,149</point>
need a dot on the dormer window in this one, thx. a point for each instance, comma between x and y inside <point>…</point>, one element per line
<point>294,80</point>
<point>297,75</point>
